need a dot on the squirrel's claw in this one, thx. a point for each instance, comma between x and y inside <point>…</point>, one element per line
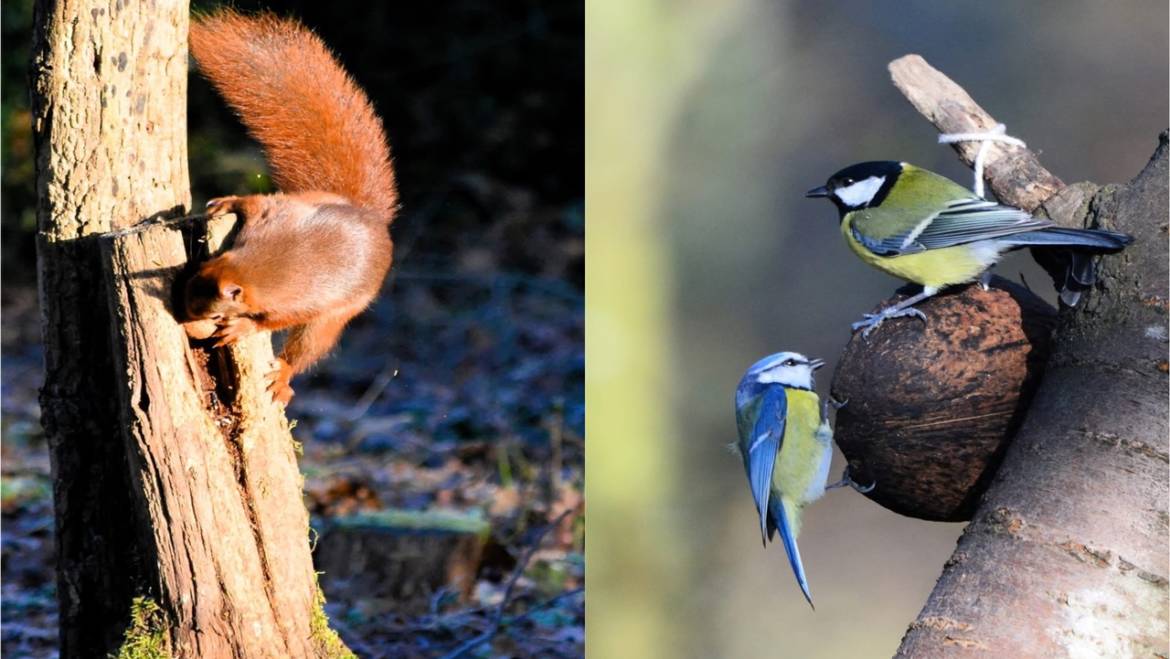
<point>232,330</point>
<point>278,381</point>
<point>222,206</point>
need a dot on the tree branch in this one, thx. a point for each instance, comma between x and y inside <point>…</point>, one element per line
<point>1067,551</point>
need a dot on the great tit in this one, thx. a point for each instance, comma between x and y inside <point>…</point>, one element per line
<point>786,444</point>
<point>927,229</point>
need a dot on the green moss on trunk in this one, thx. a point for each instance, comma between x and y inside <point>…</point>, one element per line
<point>146,636</point>
<point>329,644</point>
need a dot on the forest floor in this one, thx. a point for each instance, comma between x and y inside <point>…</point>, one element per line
<point>460,394</point>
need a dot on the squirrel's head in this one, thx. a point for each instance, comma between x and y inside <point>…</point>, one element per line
<point>214,292</point>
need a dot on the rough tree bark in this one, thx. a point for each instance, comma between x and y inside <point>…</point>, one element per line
<point>1067,552</point>
<point>175,477</point>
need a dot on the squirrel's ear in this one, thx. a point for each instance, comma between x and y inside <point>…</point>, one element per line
<point>229,291</point>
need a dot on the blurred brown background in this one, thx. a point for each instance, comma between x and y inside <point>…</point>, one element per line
<point>703,255</point>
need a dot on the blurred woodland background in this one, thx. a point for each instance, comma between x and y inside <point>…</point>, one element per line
<point>461,391</point>
<point>707,121</point>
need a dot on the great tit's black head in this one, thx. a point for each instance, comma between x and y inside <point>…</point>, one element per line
<point>863,185</point>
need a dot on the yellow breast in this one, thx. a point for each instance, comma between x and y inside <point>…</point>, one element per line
<point>936,268</point>
<point>801,451</point>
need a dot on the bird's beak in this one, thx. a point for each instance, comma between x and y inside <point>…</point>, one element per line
<point>822,191</point>
<point>816,363</point>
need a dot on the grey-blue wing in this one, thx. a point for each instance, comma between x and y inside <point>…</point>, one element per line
<point>961,222</point>
<point>763,446</point>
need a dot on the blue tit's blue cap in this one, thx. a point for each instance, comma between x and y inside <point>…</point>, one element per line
<point>774,360</point>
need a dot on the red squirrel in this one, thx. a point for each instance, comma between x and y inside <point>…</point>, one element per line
<point>313,256</point>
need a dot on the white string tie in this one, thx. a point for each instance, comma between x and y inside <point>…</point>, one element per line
<point>997,134</point>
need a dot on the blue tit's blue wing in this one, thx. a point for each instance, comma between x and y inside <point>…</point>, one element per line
<point>780,519</point>
<point>762,448</point>
<point>962,221</point>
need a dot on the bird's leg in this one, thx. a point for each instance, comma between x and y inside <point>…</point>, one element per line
<point>985,280</point>
<point>830,402</point>
<point>899,310</point>
<point>846,480</point>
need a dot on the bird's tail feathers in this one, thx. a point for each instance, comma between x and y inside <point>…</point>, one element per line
<point>785,519</point>
<point>1073,269</point>
<point>1095,240</point>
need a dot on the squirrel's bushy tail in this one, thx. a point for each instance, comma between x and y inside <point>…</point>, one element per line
<point>316,125</point>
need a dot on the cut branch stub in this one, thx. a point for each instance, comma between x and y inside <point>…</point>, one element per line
<point>215,476</point>
<point>930,407</point>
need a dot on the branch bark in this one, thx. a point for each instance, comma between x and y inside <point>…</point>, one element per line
<point>175,478</point>
<point>1067,551</point>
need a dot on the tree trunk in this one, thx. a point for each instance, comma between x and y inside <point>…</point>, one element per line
<point>1066,555</point>
<point>176,488</point>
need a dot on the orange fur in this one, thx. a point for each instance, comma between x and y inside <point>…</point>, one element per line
<point>312,257</point>
<point>317,127</point>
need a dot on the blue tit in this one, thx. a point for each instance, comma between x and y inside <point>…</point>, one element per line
<point>929,230</point>
<point>786,444</point>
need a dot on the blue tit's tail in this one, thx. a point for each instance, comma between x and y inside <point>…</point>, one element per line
<point>1072,269</point>
<point>788,527</point>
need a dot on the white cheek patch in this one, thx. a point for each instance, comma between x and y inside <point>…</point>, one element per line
<point>774,376</point>
<point>861,192</point>
<point>790,376</point>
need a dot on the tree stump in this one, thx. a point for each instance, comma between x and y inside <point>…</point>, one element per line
<point>402,559</point>
<point>214,477</point>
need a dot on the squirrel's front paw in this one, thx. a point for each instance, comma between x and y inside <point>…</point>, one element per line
<point>233,329</point>
<point>278,381</point>
<point>201,328</point>
<point>222,206</point>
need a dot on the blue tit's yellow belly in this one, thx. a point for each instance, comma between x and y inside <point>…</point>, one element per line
<point>935,268</point>
<point>802,452</point>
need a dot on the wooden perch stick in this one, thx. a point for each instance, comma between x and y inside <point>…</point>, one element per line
<point>1066,553</point>
<point>1014,174</point>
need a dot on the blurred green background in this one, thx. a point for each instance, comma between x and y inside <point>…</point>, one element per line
<point>706,121</point>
